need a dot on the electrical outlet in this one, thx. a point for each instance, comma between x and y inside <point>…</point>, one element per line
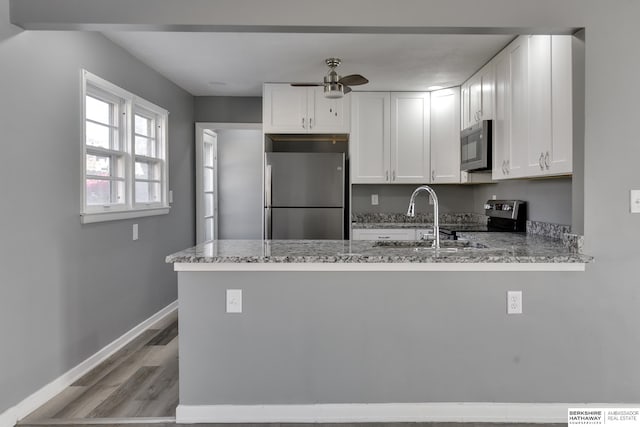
<point>234,300</point>
<point>170,196</point>
<point>514,302</point>
<point>430,199</point>
<point>374,200</point>
<point>635,201</point>
<point>493,197</point>
<point>135,232</point>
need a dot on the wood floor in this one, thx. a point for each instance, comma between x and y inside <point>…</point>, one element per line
<point>138,385</point>
<point>138,381</point>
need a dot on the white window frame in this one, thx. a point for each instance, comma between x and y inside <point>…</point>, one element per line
<point>129,106</point>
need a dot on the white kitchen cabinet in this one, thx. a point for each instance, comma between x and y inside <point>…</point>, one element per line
<point>560,158</point>
<point>410,138</point>
<point>445,136</point>
<point>533,123</point>
<point>511,118</point>
<point>464,105</point>
<point>389,141</point>
<point>384,234</point>
<point>370,139</point>
<point>477,96</point>
<point>289,109</point>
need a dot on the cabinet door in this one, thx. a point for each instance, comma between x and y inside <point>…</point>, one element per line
<point>284,109</point>
<point>539,105</point>
<point>445,136</point>
<point>369,142</point>
<point>487,83</point>
<point>384,234</point>
<point>410,156</point>
<point>475,98</point>
<point>560,159</point>
<point>518,53</point>
<point>464,114</point>
<point>501,122</point>
<point>327,115</point>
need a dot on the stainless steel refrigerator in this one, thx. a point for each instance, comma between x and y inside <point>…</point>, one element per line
<point>304,195</point>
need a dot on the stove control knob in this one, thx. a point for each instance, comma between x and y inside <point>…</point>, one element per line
<point>487,206</point>
<point>506,207</point>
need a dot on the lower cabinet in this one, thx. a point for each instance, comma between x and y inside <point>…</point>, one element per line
<point>384,234</point>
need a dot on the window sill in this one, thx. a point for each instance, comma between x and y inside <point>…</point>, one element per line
<point>89,218</point>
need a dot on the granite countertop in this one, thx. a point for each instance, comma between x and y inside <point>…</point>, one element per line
<point>418,225</point>
<point>485,248</point>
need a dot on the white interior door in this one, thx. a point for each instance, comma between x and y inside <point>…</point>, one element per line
<point>206,186</point>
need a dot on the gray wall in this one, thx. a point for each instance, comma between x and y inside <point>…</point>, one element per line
<point>577,340</point>
<point>228,109</point>
<point>395,198</point>
<point>578,337</point>
<point>548,200</point>
<point>66,289</point>
<point>240,158</point>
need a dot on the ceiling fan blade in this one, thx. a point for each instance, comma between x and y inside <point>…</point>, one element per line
<point>353,80</point>
<point>306,84</point>
<point>346,89</point>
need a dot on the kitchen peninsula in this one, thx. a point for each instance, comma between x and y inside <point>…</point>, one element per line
<point>342,326</point>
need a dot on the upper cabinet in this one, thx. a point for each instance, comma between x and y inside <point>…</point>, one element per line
<point>389,141</point>
<point>410,137</point>
<point>478,97</point>
<point>445,136</point>
<point>370,139</point>
<point>533,121</point>
<point>289,109</point>
<point>405,137</point>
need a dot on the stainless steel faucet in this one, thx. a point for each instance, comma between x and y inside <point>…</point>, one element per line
<point>411,212</point>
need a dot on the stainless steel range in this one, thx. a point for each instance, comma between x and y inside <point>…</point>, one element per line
<point>503,215</point>
<point>506,215</point>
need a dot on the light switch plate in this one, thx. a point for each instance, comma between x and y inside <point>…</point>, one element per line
<point>374,200</point>
<point>234,300</point>
<point>635,201</point>
<point>135,232</point>
<point>514,302</point>
<point>170,196</point>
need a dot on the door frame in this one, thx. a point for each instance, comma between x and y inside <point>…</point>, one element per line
<point>201,128</point>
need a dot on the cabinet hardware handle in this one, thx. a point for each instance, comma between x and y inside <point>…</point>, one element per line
<point>507,166</point>
<point>504,167</point>
<point>394,175</point>
<point>310,123</point>
<point>387,176</point>
<point>541,161</point>
<point>547,160</point>
<point>433,175</point>
<point>303,123</point>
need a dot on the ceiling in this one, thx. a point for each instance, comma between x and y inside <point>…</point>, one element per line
<point>237,64</point>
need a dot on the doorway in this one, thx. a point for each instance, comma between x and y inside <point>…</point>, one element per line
<point>229,163</point>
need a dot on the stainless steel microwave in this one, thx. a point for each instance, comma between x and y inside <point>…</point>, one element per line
<point>475,147</point>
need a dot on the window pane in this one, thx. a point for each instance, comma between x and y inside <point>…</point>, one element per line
<point>98,135</point>
<point>145,170</point>
<point>208,179</point>
<point>208,204</point>
<point>146,146</point>
<point>98,165</point>
<point>147,192</point>
<point>98,110</point>
<point>208,229</point>
<point>208,154</point>
<point>143,125</point>
<point>104,192</point>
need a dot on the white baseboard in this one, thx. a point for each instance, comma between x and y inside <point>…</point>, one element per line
<point>9,417</point>
<point>383,412</point>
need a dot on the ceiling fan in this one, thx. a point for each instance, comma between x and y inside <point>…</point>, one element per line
<point>336,86</point>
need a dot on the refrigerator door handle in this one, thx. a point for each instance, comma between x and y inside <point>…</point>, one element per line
<point>267,201</point>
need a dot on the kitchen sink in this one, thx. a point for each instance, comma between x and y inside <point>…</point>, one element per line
<point>428,244</point>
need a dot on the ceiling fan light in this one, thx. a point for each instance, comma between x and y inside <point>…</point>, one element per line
<point>333,90</point>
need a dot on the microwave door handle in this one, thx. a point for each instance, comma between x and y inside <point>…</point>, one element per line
<point>267,201</point>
